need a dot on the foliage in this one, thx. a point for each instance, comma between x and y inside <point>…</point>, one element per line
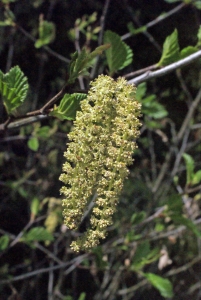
<point>13,87</point>
<point>152,247</point>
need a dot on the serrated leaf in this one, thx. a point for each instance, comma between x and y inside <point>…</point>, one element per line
<point>37,234</point>
<point>13,87</point>
<point>117,54</point>
<point>189,161</point>
<point>188,51</point>
<point>171,50</point>
<point>4,241</point>
<point>129,57</point>
<point>46,33</point>
<point>33,143</point>
<point>163,285</point>
<point>68,106</point>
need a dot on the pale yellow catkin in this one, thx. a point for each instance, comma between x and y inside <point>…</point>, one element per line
<point>101,148</point>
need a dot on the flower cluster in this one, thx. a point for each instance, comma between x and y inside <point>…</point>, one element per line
<point>102,144</point>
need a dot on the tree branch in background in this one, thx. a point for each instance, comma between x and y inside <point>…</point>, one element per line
<point>159,73</point>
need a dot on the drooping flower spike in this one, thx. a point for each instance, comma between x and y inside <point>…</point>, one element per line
<point>101,148</point>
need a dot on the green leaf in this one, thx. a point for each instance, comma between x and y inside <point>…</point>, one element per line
<point>35,204</point>
<point>138,217</point>
<point>175,204</point>
<point>38,234</point>
<point>117,54</point>
<point>134,30</point>
<point>46,33</point>
<point>129,57</point>
<point>82,296</point>
<point>68,106</point>
<point>82,61</point>
<point>171,50</point>
<point>152,108</point>
<point>199,37</point>
<point>4,241</point>
<point>181,220</point>
<point>189,161</point>
<point>33,143</point>
<point>187,51</point>
<point>163,285</point>
<point>13,87</point>
<point>143,256</point>
<point>141,91</point>
<point>197,4</point>
<point>196,177</point>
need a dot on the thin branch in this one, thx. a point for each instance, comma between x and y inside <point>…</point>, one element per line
<point>157,20</point>
<point>138,72</point>
<point>76,260</point>
<point>23,122</point>
<point>159,73</point>
<point>145,32</point>
<point>50,51</point>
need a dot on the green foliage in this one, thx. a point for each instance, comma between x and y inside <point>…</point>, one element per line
<point>13,87</point>
<point>68,106</point>
<point>182,220</point>
<point>199,37</point>
<point>37,234</point>
<point>163,285</point>
<point>85,26</point>
<point>33,143</point>
<point>35,206</point>
<point>46,33</point>
<point>144,256</point>
<point>189,167</point>
<point>4,241</point>
<point>82,61</point>
<point>134,30</point>
<point>119,55</point>
<point>170,52</point>
<point>187,51</point>
<point>192,178</point>
<point>150,105</point>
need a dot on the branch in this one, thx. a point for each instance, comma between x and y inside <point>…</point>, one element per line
<point>50,51</point>
<point>165,70</point>
<point>76,261</point>
<point>157,20</point>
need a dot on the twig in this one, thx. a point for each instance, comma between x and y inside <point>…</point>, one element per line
<point>132,288</point>
<point>157,20</point>
<point>50,51</point>
<point>159,73</point>
<point>184,267</point>
<point>44,270</point>
<point>141,71</point>
<point>23,122</point>
<point>145,32</point>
